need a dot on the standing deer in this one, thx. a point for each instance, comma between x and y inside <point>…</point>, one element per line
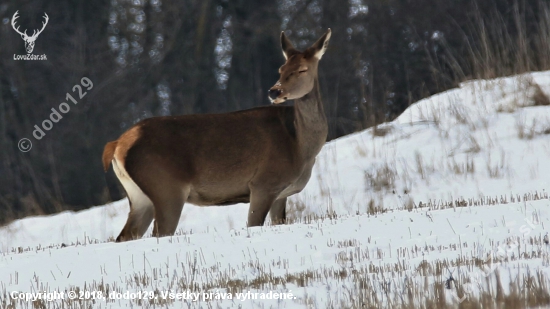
<point>260,155</point>
<point>29,40</point>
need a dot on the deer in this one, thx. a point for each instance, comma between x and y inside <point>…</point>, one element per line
<point>29,40</point>
<point>259,156</point>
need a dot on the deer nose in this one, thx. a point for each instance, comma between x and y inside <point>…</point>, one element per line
<point>274,93</point>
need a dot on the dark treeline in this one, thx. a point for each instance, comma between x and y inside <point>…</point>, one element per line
<point>150,57</point>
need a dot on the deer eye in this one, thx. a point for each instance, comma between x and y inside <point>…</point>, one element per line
<point>302,71</point>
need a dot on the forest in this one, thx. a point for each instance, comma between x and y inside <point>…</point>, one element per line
<point>101,66</point>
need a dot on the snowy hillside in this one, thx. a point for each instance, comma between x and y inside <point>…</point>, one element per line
<point>455,186</point>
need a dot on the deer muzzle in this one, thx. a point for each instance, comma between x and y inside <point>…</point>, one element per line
<point>274,94</point>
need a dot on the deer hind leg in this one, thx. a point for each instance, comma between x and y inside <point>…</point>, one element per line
<point>278,211</point>
<point>260,203</point>
<point>168,202</point>
<point>140,217</point>
<point>141,208</point>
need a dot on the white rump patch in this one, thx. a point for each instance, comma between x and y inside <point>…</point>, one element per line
<point>139,201</point>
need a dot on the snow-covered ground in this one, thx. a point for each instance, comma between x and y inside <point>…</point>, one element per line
<point>456,186</point>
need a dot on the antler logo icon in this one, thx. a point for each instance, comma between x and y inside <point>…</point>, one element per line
<point>29,40</point>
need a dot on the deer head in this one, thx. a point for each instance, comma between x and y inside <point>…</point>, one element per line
<point>29,40</point>
<point>298,74</point>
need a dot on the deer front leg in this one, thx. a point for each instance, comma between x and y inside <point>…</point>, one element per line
<point>260,203</point>
<point>278,212</point>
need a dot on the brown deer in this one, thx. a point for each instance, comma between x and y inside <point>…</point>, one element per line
<point>261,155</point>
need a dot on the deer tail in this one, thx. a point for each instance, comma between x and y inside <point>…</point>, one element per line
<point>108,154</point>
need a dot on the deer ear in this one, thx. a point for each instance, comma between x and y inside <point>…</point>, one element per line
<point>321,45</point>
<point>286,46</point>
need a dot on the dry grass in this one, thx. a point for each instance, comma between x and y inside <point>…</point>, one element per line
<point>382,130</point>
<point>496,48</point>
<point>361,281</point>
<point>496,168</point>
<point>464,168</point>
<point>374,207</point>
<point>428,285</point>
<point>539,98</point>
<point>381,178</point>
<point>526,131</point>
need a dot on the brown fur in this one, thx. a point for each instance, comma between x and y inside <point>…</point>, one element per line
<point>108,154</point>
<point>261,155</point>
<point>125,142</point>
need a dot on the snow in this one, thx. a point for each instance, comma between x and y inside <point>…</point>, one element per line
<point>458,176</point>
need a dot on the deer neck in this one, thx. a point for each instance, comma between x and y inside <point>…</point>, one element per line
<point>311,123</point>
